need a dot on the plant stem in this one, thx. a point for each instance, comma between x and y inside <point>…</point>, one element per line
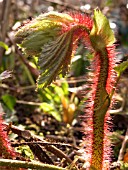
<point>25,164</point>
<point>101,105</point>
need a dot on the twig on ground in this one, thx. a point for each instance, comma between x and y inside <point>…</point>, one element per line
<point>25,164</point>
<point>123,147</point>
<point>4,24</point>
<point>44,144</point>
<point>62,139</point>
<point>28,137</point>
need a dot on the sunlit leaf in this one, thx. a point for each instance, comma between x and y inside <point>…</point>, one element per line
<point>49,108</point>
<point>59,91</point>
<point>3,45</point>
<point>25,151</point>
<point>64,86</point>
<point>46,27</point>
<point>121,67</point>
<point>56,99</point>
<point>52,37</point>
<point>101,34</point>
<point>48,96</point>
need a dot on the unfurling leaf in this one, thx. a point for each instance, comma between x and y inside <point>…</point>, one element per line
<point>52,37</point>
<point>40,31</point>
<point>55,59</point>
<point>101,34</point>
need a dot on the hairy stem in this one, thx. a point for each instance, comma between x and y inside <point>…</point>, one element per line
<point>101,105</point>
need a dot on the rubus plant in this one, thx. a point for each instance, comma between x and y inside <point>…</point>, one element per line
<point>53,37</point>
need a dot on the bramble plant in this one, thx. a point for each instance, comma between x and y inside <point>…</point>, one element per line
<point>53,37</point>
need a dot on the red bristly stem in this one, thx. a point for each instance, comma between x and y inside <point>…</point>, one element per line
<point>6,150</point>
<point>102,86</point>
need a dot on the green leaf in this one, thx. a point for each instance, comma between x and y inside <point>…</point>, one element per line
<point>57,100</point>
<point>48,38</point>
<point>46,27</point>
<point>56,115</point>
<point>121,67</point>
<point>5,46</point>
<point>101,34</point>
<point>48,96</point>
<point>49,108</point>
<point>43,37</point>
<point>64,86</point>
<point>25,151</point>
<point>55,59</point>
<point>58,90</point>
<point>9,101</point>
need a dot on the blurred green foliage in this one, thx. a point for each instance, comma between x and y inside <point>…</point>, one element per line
<point>9,101</point>
<point>56,100</point>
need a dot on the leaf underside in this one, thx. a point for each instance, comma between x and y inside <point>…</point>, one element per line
<point>55,59</point>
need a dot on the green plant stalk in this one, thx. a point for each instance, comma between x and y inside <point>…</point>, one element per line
<point>101,105</point>
<point>25,164</point>
<point>29,75</point>
<point>102,40</point>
